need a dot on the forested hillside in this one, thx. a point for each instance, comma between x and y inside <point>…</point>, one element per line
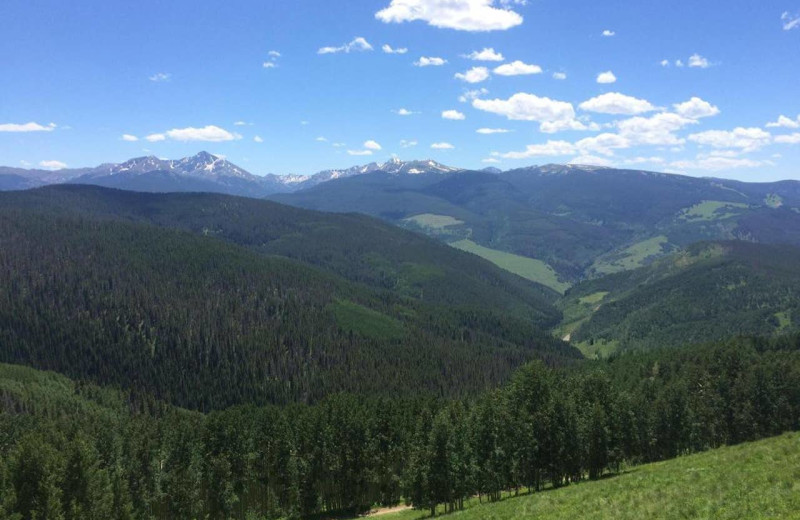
<point>73,450</point>
<point>203,323</point>
<point>709,291</point>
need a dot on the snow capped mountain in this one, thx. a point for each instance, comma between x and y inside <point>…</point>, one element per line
<point>205,172</point>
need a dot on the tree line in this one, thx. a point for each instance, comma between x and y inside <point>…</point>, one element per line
<point>75,450</point>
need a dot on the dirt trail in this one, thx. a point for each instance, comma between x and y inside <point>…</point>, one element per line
<point>387,511</point>
<point>567,337</point>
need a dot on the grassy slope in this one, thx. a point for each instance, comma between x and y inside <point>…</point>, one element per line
<point>529,268</point>
<point>753,480</point>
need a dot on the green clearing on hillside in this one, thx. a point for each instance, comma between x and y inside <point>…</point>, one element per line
<point>431,220</point>
<point>756,480</point>
<point>773,200</point>
<point>353,317</point>
<point>576,313</point>
<point>712,210</point>
<point>630,257</point>
<point>529,268</point>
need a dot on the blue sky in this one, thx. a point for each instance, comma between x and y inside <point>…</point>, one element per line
<point>680,86</point>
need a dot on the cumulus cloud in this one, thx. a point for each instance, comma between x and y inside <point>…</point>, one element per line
<point>258,139</point>
<point>788,139</point>
<point>604,144</point>
<point>785,122</point>
<point>696,108</point>
<point>551,127</point>
<point>160,77</point>
<point>715,163</point>
<point>454,115</point>
<point>487,54</point>
<point>274,54</point>
<point>527,107</point>
<point>699,62</point>
<point>53,165</point>
<point>359,152</point>
<point>474,75</point>
<point>608,33</point>
<point>656,130</point>
<point>550,148</point>
<point>269,65</point>
<point>488,131</point>
<point>209,133</point>
<point>442,146</point>
<point>617,104</point>
<point>790,21</point>
<point>517,68</point>
<point>665,63</point>
<point>403,112</point>
<point>743,139</point>
<point>559,75</point>
<point>606,77</point>
<point>590,160</point>
<point>130,138</point>
<point>462,15</point>
<point>371,145</point>
<point>356,45</point>
<point>321,139</point>
<point>491,160</point>
<point>26,127</point>
<point>469,95</point>
<point>389,50</point>
<point>242,123</point>
<point>430,61</point>
<point>408,143</point>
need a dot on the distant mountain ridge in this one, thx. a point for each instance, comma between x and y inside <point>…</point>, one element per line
<point>201,172</point>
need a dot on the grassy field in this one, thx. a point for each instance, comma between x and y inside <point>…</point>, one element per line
<point>631,257</point>
<point>529,268</point>
<point>757,480</point>
<point>712,210</point>
<point>430,220</point>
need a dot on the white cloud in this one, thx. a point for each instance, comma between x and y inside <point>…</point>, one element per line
<point>53,165</point>
<point>487,54</point>
<point>550,148</point>
<point>488,131</point>
<point>744,139</point>
<point>371,145</point>
<point>357,44</point>
<point>408,143</point>
<point>559,75</point>
<point>130,138</point>
<point>26,127</point>
<point>474,75</point>
<point>338,145</point>
<point>591,160</point>
<point>696,108</point>
<point>389,50</point>
<point>269,65</point>
<point>604,144</point>
<point>455,115</point>
<point>442,146</point>
<point>160,77</point>
<point>469,95</point>
<point>491,160</point>
<point>606,77</point>
<point>644,160</point>
<point>258,139</point>
<point>665,63</point>
<point>785,122</point>
<point>517,68</point>
<point>678,63</point>
<point>462,15</point>
<point>788,139</point>
<point>527,107</point>
<point>274,54</point>
<point>656,130</point>
<point>715,163</point>
<point>432,61</point>
<point>209,133</point>
<point>618,104</point>
<point>321,139</point>
<point>697,61</point>
<point>359,152</point>
<point>608,32</point>
<point>403,112</point>
<point>242,123</point>
<point>551,127</point>
<point>790,21</point>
